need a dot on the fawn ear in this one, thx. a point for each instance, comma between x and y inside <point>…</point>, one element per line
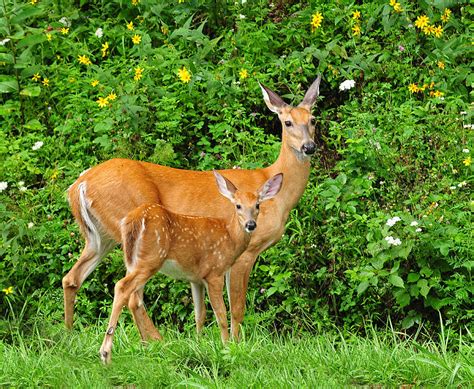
<point>311,95</point>
<point>226,187</point>
<point>271,188</point>
<point>273,101</point>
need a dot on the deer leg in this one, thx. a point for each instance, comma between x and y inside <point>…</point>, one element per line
<point>124,288</point>
<point>199,305</point>
<point>214,289</point>
<point>72,281</point>
<point>145,325</point>
<point>237,283</point>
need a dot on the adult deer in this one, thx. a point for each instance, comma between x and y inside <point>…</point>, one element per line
<point>103,195</point>
<point>192,248</point>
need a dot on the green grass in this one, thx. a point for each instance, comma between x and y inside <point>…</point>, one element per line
<point>53,357</point>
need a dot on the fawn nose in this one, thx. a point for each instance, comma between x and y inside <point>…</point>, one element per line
<point>250,225</point>
<point>309,148</point>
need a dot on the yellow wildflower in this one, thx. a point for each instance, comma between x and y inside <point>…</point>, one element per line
<point>356,30</point>
<point>436,93</point>
<point>8,290</point>
<point>432,84</point>
<point>467,161</point>
<point>84,60</point>
<point>446,15</point>
<point>46,81</point>
<point>112,96</point>
<point>136,39</point>
<point>316,20</point>
<point>180,1</point>
<point>135,2</point>
<point>397,7</point>
<point>164,29</point>
<point>49,37</point>
<point>36,77</point>
<point>437,31</point>
<point>130,26</point>
<point>184,75</point>
<point>105,47</point>
<point>64,30</point>
<point>33,2</point>
<point>356,15</point>
<point>441,65</point>
<point>243,74</point>
<point>138,73</point>
<point>94,83</point>
<point>393,2</point>
<point>422,21</point>
<point>413,88</point>
<point>103,102</point>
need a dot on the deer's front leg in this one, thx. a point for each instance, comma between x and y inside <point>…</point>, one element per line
<point>199,305</point>
<point>214,288</point>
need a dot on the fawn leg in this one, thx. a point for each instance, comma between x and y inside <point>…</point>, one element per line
<point>214,289</point>
<point>199,305</point>
<point>145,325</point>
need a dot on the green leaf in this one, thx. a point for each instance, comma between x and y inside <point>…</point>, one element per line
<point>8,84</point>
<point>6,57</point>
<point>396,281</point>
<point>402,297</point>
<point>362,287</point>
<point>424,288</point>
<point>34,125</point>
<point>32,40</point>
<point>25,13</point>
<point>31,91</point>
<point>413,277</point>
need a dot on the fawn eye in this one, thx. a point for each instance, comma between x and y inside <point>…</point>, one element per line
<point>257,206</point>
<point>238,206</point>
<point>288,123</point>
<point>313,121</point>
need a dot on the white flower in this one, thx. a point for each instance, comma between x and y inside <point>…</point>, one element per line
<point>463,113</point>
<point>392,221</point>
<point>418,229</point>
<point>3,186</point>
<point>346,85</point>
<point>99,32</point>
<point>4,42</point>
<point>465,151</point>
<point>243,2</point>
<point>37,145</point>
<point>393,241</point>
<point>31,224</point>
<point>65,21</point>
<point>452,187</point>
<point>414,223</point>
<point>21,186</point>
<point>242,16</point>
<point>461,184</point>
<point>470,126</point>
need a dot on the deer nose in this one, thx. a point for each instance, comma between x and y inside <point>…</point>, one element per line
<point>250,226</point>
<point>309,148</point>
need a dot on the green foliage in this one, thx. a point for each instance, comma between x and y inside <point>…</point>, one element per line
<point>186,94</point>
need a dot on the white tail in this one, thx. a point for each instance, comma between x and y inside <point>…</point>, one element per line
<point>197,249</point>
<point>118,186</point>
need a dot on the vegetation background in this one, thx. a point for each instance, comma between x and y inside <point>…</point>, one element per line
<point>384,229</point>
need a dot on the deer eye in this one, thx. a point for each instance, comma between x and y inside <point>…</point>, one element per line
<point>313,121</point>
<point>288,123</point>
<point>257,206</point>
<point>238,206</point>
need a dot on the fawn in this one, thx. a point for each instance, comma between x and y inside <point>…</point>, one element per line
<point>197,249</point>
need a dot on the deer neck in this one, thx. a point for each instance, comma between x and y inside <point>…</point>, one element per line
<point>295,168</point>
<point>239,237</point>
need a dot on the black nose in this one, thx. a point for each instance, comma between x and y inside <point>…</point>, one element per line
<point>250,225</point>
<point>309,148</point>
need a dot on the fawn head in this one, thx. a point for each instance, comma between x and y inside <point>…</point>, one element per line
<point>247,204</point>
<point>297,122</point>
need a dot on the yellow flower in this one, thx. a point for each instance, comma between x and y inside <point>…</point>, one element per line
<point>428,30</point>
<point>130,26</point>
<point>356,15</point>
<point>49,37</point>
<point>164,29</point>
<point>64,30</point>
<point>432,84</point>
<point>136,39</point>
<point>8,290</point>
<point>184,75</point>
<point>316,20</point>
<point>436,93</point>
<point>94,83</point>
<point>441,65</point>
<point>46,82</point>
<point>356,30</point>
<point>138,73</point>
<point>413,88</point>
<point>437,31</point>
<point>135,2</point>
<point>103,102</point>
<point>397,7</point>
<point>467,161</point>
<point>243,74</point>
<point>105,47</point>
<point>393,2</point>
<point>33,2</point>
<point>84,60</point>
<point>446,15</point>
<point>36,77</point>
<point>422,21</point>
<point>112,96</point>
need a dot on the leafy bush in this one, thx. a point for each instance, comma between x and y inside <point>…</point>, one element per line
<point>178,85</point>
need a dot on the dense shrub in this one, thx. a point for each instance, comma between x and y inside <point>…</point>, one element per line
<point>384,227</point>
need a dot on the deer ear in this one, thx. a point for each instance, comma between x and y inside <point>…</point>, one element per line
<point>271,188</point>
<point>311,95</point>
<point>274,102</point>
<point>226,188</point>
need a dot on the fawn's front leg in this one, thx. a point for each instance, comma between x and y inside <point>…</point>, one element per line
<point>215,285</point>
